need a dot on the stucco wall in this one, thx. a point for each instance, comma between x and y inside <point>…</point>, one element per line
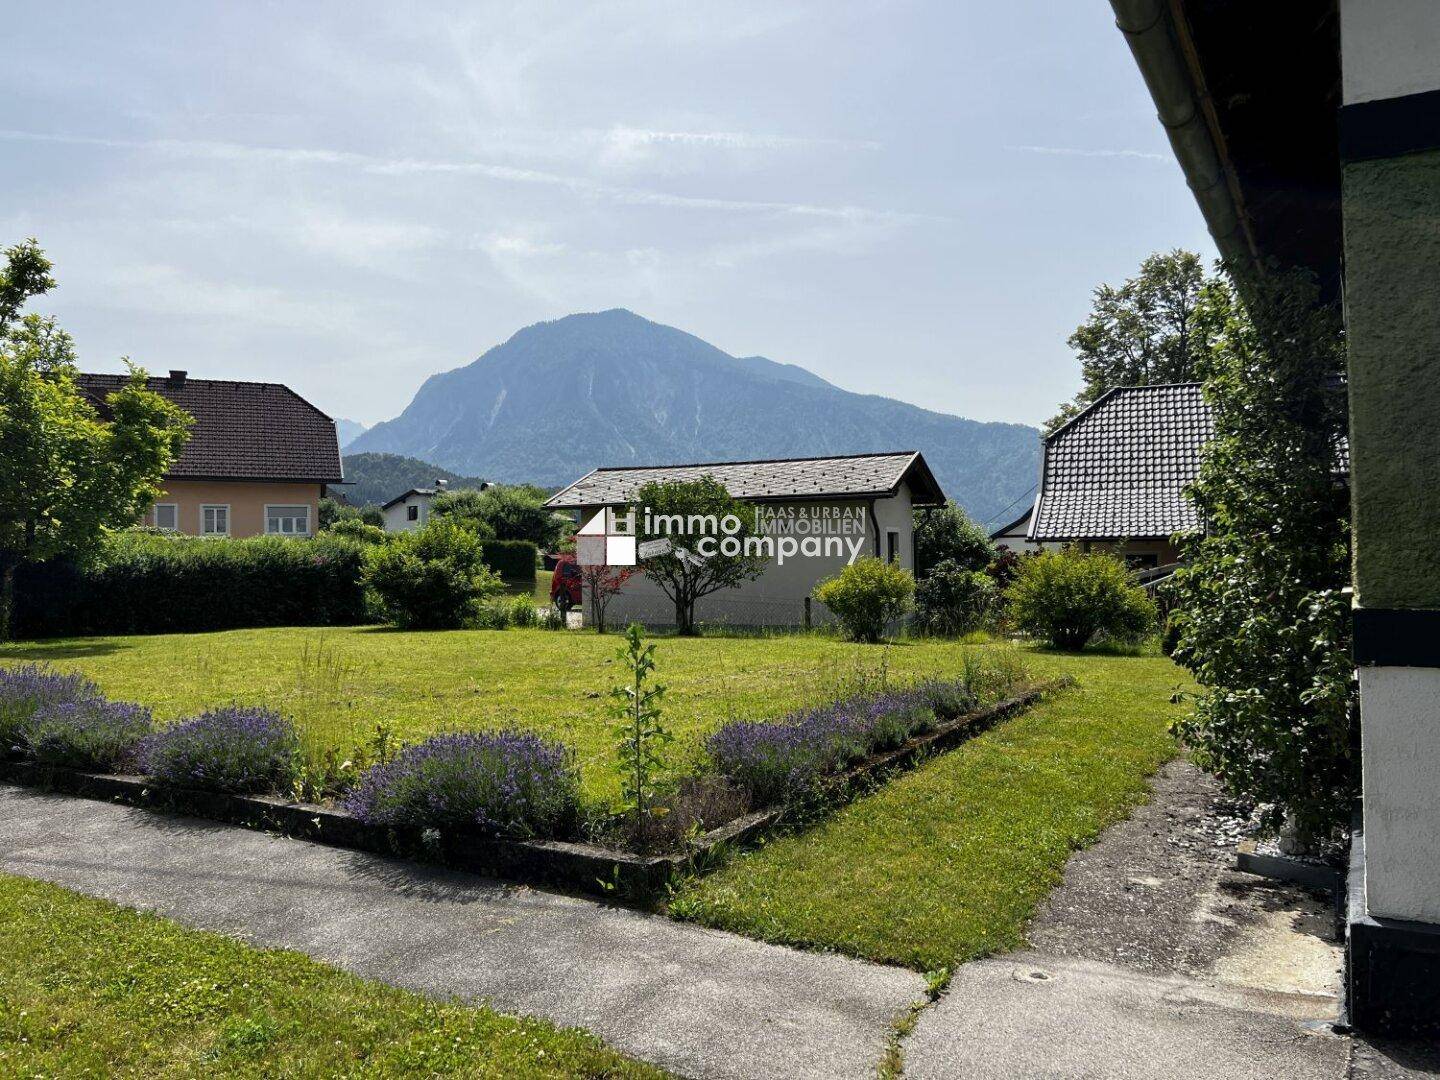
<point>1392,313</point>
<point>247,501</point>
<point>1390,48</point>
<point>397,518</point>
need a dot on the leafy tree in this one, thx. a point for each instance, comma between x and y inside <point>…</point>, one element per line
<point>682,575</point>
<point>68,474</point>
<point>600,585</point>
<point>1262,617</point>
<point>335,510</point>
<point>946,532</point>
<point>1067,598</point>
<point>867,596</point>
<point>1144,332</point>
<point>508,512</point>
<point>640,734</point>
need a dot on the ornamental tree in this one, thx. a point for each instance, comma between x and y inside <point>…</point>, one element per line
<point>70,470</point>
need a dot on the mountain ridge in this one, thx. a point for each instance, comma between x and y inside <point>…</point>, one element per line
<point>607,389</point>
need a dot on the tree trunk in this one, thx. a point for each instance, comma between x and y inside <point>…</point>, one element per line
<point>684,617</point>
<point>7,596</point>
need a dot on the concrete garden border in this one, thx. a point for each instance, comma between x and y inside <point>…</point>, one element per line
<point>581,867</point>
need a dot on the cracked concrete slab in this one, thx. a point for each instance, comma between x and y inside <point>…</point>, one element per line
<point>701,1002</point>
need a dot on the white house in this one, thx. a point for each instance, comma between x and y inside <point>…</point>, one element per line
<point>830,510</point>
<point>409,510</point>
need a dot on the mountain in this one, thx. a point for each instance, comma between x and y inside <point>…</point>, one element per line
<point>378,478</point>
<point>348,431</point>
<point>611,388</point>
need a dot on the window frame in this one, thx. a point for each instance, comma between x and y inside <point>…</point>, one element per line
<point>155,516</point>
<point>289,506</point>
<point>214,506</point>
<point>412,511</point>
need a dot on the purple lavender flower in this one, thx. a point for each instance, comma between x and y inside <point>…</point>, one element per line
<point>234,749</point>
<point>507,782</point>
<point>26,689</point>
<point>95,735</point>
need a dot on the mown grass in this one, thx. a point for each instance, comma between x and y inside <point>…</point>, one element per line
<point>89,989</point>
<point>339,683</point>
<point>949,862</point>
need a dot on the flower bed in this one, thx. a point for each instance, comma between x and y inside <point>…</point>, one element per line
<point>233,749</point>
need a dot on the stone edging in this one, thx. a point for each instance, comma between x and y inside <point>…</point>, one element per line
<point>576,866</point>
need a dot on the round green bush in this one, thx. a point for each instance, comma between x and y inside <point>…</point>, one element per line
<point>1068,598</point>
<point>950,600</point>
<point>434,578</point>
<point>866,596</point>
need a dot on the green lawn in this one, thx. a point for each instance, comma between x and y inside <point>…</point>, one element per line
<point>337,683</point>
<point>948,862</point>
<point>91,989</point>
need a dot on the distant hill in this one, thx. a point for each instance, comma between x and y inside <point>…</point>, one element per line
<point>347,431</point>
<point>378,478</point>
<point>611,388</point>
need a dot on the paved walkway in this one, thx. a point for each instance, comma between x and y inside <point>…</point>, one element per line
<point>703,1003</point>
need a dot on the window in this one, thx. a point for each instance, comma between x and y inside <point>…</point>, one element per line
<point>412,513</point>
<point>1147,561</point>
<point>215,520</point>
<point>892,546</point>
<point>287,520</point>
<point>167,516</point>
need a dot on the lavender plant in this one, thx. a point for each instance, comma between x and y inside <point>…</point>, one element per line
<point>29,687</point>
<point>506,783</point>
<point>234,749</point>
<point>92,734</point>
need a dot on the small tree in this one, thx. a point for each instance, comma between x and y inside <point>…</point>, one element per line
<point>951,600</point>
<point>867,596</point>
<point>434,578</point>
<point>1067,598</point>
<point>601,584</point>
<point>333,511</point>
<point>703,506</point>
<point>946,532</point>
<point>506,512</point>
<point>68,474</point>
<point>640,733</point>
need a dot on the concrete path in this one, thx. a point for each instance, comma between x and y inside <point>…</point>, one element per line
<point>702,1003</point>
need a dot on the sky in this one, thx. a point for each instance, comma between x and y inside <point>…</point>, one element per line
<point>912,199</point>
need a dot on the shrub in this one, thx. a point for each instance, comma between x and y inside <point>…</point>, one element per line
<point>26,689</point>
<point>93,734</point>
<point>513,560</point>
<point>354,528</point>
<point>507,783</point>
<point>950,600</point>
<point>523,612</point>
<point>1067,598</point>
<point>506,512</point>
<point>232,749</point>
<point>946,532</point>
<point>949,699</point>
<point>866,596</point>
<point>147,583</point>
<point>433,578</point>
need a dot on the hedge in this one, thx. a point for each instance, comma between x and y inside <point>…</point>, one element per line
<point>513,560</point>
<point>148,584</point>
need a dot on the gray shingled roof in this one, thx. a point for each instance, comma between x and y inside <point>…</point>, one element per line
<point>858,475</point>
<point>1118,470</point>
<point>242,430</point>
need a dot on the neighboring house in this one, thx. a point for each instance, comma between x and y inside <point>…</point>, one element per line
<point>865,498</point>
<point>1016,535</point>
<point>409,510</point>
<point>1309,135</point>
<point>1113,477</point>
<point>258,458</point>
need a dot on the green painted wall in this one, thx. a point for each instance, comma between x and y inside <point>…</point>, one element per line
<point>1392,319</point>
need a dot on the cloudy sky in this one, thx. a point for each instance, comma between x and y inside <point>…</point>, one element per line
<point>909,198</point>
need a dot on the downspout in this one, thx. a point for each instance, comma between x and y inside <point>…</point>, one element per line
<point>1160,42</point>
<point>875,525</point>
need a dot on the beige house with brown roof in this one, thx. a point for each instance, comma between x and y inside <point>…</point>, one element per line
<point>258,459</point>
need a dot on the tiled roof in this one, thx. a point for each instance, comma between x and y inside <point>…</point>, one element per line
<point>243,430</point>
<point>859,475</point>
<point>1118,470</point>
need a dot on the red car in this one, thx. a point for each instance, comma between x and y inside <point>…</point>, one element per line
<point>565,583</point>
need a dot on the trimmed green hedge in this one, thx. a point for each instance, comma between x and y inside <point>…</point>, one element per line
<point>513,560</point>
<point>148,584</point>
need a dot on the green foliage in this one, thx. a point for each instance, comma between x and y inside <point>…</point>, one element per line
<point>434,578</point>
<point>506,512</point>
<point>867,596</point>
<point>640,734</point>
<point>359,530</point>
<point>513,560</point>
<point>1067,598</point>
<point>686,580</point>
<point>333,512</point>
<point>946,532</point>
<point>1145,332</point>
<point>67,475</point>
<point>141,582</point>
<point>1262,616</point>
<point>950,600</point>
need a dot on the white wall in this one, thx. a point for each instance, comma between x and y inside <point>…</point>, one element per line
<point>1400,732</point>
<point>1389,48</point>
<point>397,517</point>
